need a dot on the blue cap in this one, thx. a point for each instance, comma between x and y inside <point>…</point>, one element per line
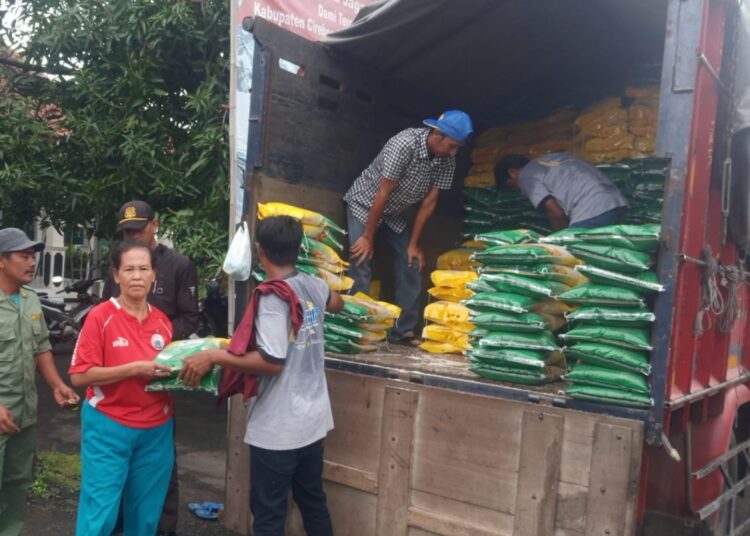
<point>453,123</point>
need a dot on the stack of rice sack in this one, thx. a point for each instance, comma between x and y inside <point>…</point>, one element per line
<point>447,321</point>
<point>642,182</point>
<point>643,117</point>
<point>320,254</point>
<point>487,210</point>
<point>515,310</point>
<point>360,326</point>
<point>609,335</point>
<point>603,134</point>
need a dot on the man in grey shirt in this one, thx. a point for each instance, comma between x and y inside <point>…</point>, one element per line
<point>572,192</point>
<point>291,414</point>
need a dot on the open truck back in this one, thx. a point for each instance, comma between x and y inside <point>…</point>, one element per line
<point>421,445</point>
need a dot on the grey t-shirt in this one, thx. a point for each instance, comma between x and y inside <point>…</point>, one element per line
<point>292,410</point>
<point>581,190</point>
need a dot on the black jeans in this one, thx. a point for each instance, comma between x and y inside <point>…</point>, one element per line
<point>272,474</point>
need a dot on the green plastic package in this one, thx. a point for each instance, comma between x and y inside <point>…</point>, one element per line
<point>344,331</point>
<point>348,347</point>
<point>514,374</point>
<point>173,354</point>
<point>503,238</point>
<point>605,355</point>
<point>612,258</point>
<point>541,342</point>
<point>480,286</point>
<point>548,272</point>
<point>501,321</point>
<point>610,316</point>
<point>593,294</point>
<point>644,282</point>
<point>500,301</point>
<point>525,253</point>
<point>629,338</point>
<point>586,374</point>
<point>514,357</point>
<point>536,288</point>
<point>605,395</point>
<point>639,237</point>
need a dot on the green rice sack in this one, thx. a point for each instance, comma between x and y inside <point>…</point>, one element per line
<point>349,347</point>
<point>610,316</point>
<point>348,332</point>
<point>629,338</point>
<point>541,342</point>
<point>514,356</point>
<point>604,395</point>
<point>504,238</point>
<point>536,288</point>
<point>500,301</point>
<point>172,356</point>
<point>479,286</point>
<point>514,374</point>
<point>638,237</point>
<point>501,321</point>
<point>605,355</point>
<point>341,320</point>
<point>643,283</point>
<point>547,272</point>
<point>612,258</point>
<point>525,253</point>
<point>606,377</point>
<point>593,294</point>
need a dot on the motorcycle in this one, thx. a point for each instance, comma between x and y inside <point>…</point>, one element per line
<point>65,316</point>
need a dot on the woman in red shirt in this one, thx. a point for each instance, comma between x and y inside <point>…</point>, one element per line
<point>127,445</point>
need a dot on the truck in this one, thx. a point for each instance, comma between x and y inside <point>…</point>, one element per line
<point>421,445</point>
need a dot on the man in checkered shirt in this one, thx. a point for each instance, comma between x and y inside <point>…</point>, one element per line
<point>411,169</point>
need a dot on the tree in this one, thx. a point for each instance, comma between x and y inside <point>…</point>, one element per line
<point>139,91</point>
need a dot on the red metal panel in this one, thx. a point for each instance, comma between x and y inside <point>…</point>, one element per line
<point>690,365</point>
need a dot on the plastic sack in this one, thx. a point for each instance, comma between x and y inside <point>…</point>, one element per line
<point>605,355</point>
<point>172,356</point>
<point>372,336</point>
<point>592,294</point>
<point>456,259</point>
<point>447,313</point>
<point>336,282</point>
<point>504,238</point>
<point>515,374</point>
<point>536,288</point>
<point>378,311</point>
<point>344,331</point>
<point>526,253</point>
<point>500,321</point>
<point>605,395</point>
<point>644,282</point>
<point>238,263</point>
<point>452,278</point>
<point>548,272</point>
<point>500,301</point>
<point>514,356</point>
<point>607,377</point>
<point>348,347</point>
<point>323,235</point>
<point>480,286</point>
<point>639,237</point>
<point>612,257</point>
<point>610,316</point>
<point>451,294</point>
<point>630,338</point>
<point>321,252</point>
<point>300,214</point>
<point>438,333</point>
<point>542,341</point>
<point>552,307</point>
<point>435,347</point>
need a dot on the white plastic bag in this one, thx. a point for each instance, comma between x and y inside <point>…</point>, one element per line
<point>238,262</point>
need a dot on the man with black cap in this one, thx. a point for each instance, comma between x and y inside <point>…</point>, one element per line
<point>174,293</point>
<point>411,169</point>
<point>24,347</point>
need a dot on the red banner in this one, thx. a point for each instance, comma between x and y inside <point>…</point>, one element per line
<point>310,19</point>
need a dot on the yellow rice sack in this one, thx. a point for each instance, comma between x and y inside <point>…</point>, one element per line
<point>440,348</point>
<point>438,333</point>
<point>457,259</point>
<point>452,278</point>
<point>451,294</point>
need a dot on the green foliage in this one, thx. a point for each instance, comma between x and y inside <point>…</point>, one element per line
<point>141,115</point>
<point>55,470</point>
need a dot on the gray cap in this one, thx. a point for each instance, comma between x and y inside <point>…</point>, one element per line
<point>12,239</point>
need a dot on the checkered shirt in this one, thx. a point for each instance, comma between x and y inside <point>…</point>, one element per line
<point>405,160</point>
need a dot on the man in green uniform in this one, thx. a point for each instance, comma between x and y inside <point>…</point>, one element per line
<point>24,347</point>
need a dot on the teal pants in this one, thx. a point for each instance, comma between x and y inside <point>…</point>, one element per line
<point>118,461</point>
<point>16,475</point>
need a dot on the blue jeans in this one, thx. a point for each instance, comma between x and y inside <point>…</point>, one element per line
<point>611,217</point>
<point>408,280</point>
<point>272,474</point>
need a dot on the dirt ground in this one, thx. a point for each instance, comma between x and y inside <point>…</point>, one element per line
<point>201,456</point>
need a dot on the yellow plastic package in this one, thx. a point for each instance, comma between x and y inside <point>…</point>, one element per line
<point>438,333</point>
<point>336,282</point>
<point>453,278</point>
<point>480,180</point>
<point>303,215</point>
<point>379,310</point>
<point>451,294</point>
<point>447,313</point>
<point>457,259</point>
<point>434,347</point>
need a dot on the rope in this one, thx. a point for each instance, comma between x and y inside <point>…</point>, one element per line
<point>713,301</point>
<point>734,277</point>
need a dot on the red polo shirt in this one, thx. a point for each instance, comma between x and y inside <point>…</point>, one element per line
<point>112,337</point>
